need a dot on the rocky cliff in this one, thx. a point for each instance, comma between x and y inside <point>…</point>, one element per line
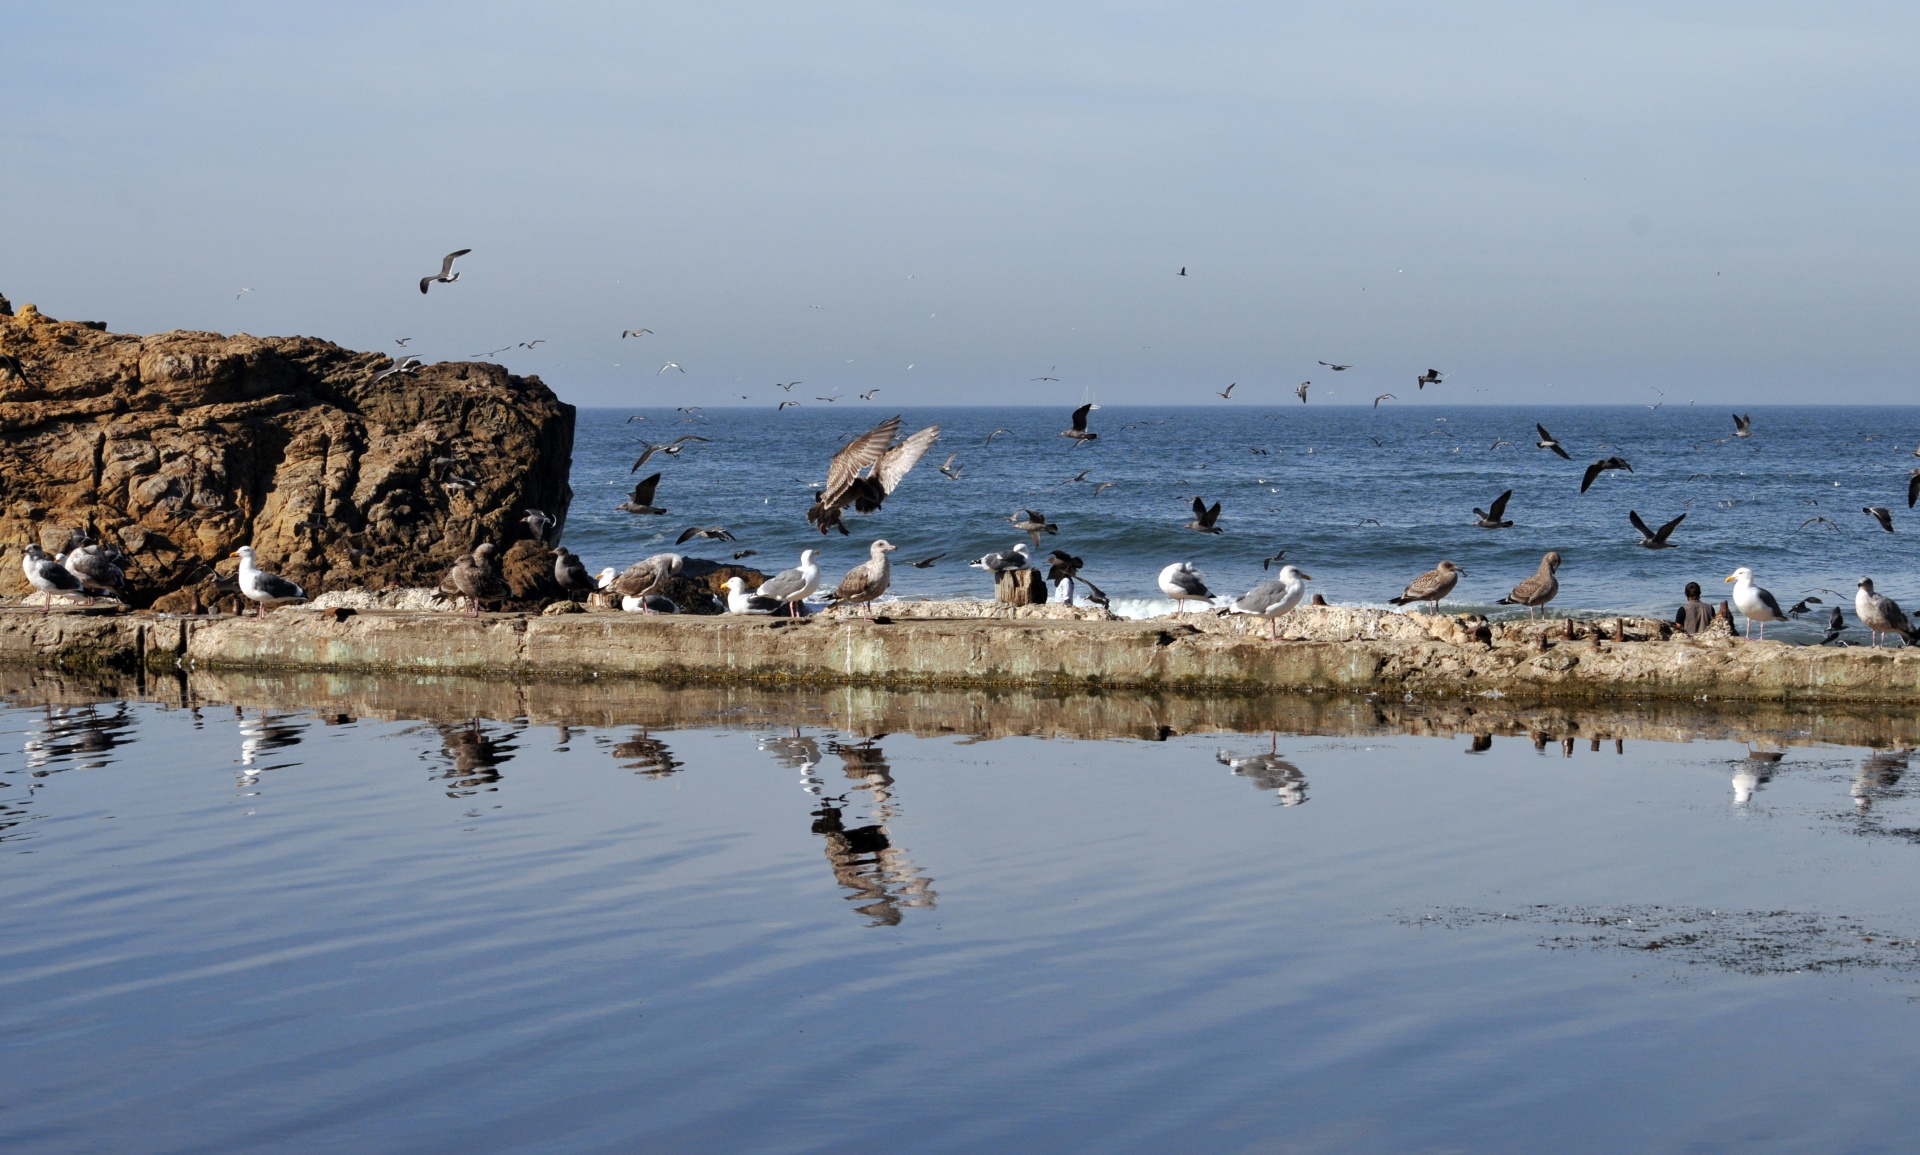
<point>181,447</point>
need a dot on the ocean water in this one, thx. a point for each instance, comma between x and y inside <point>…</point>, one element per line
<point>1361,499</point>
<point>269,928</point>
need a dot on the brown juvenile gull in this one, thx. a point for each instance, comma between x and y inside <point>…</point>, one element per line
<point>1654,538</point>
<point>645,578</point>
<point>1539,589</point>
<point>1743,426</point>
<point>446,275</point>
<point>1881,614</point>
<point>715,532</point>
<point>641,499</point>
<point>885,463</point>
<point>49,576</point>
<point>1493,517</point>
<point>1033,523</point>
<point>1204,519</point>
<point>470,579</point>
<point>1431,586</point>
<point>1430,377</point>
<point>262,588</point>
<point>867,581</point>
<point>1080,433</point>
<point>1063,567</point>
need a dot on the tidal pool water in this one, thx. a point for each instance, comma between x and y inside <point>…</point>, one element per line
<point>769,926</point>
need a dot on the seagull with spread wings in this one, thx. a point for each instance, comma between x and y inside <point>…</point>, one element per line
<point>866,470</point>
<point>1655,538</point>
<point>1080,433</point>
<point>641,499</point>
<point>446,275</point>
<point>670,448</point>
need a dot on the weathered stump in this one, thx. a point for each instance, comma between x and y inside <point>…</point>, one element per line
<point>1020,587</point>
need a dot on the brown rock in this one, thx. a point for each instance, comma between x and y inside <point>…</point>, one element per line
<point>184,446</point>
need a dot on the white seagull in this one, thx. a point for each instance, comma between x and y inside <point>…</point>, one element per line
<point>1757,604</point>
<point>262,588</point>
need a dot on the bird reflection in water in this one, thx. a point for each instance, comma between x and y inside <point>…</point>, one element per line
<point>1877,778</point>
<point>1481,744</point>
<point>263,734</point>
<point>475,754</point>
<point>646,755</point>
<point>76,738</point>
<point>1269,771</point>
<point>1751,776</point>
<point>878,874</point>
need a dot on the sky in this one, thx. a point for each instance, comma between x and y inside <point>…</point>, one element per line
<point>1548,203</point>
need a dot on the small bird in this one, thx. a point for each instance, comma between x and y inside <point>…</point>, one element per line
<point>670,448</point>
<point>1742,426</point>
<point>531,344</point>
<point>996,433</point>
<point>1493,517</point>
<point>926,562</point>
<point>1336,368</point>
<point>1881,514</point>
<point>1547,442</point>
<point>715,532</point>
<point>1539,589</point>
<point>571,573</point>
<point>1001,562</point>
<point>1383,397</point>
<point>1654,538</point>
<point>1759,605</point>
<point>1881,614</point>
<point>446,276</point>
<point>829,400</point>
<point>625,333</point>
<point>404,365</point>
<point>1080,433</point>
<point>670,365</point>
<point>784,404</point>
<point>1601,466</point>
<point>1033,523</point>
<point>868,395</point>
<point>402,342</point>
<point>1801,606</point>
<point>739,601</point>
<point>1281,556</point>
<point>1104,485</point>
<point>538,522</point>
<point>1302,391</point>
<point>949,470</point>
<point>787,386</point>
<point>1182,272</point>
<point>1271,599</point>
<point>1431,586</point>
<point>1183,583</point>
<point>641,499</point>
<point>262,588</point>
<point>241,293</point>
<point>1227,393</point>
<point>1204,519</point>
<point>1043,378</point>
<point>1836,624</point>
<point>740,553</point>
<point>689,410</point>
<point>1430,377</point>
<point>1078,477</point>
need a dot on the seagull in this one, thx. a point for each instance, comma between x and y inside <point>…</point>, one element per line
<point>473,579</point>
<point>49,576</point>
<point>1547,442</point>
<point>784,404</point>
<point>1430,377</point>
<point>1033,523</point>
<point>539,522</point>
<point>1302,391</point>
<point>1336,368</point>
<point>1881,614</point>
<point>97,567</point>
<point>1227,393</point>
<point>402,342</point>
<point>829,400</point>
<point>740,553</point>
<point>1818,521</point>
<point>639,582</point>
<point>1080,433</point>
<point>641,499</point>
<point>1080,476</point>
<point>1539,589</point>
<point>715,532</point>
<point>1835,626</point>
<point>1881,514</point>
<point>1182,272</point>
<point>1043,378</point>
<point>949,470</point>
<point>1281,556</point>
<point>1204,519</point>
<point>625,333</point>
<point>571,573</point>
<point>670,365</point>
<point>670,448</point>
<point>1001,562</point>
<point>996,433</point>
<point>1383,397</point>
<point>241,293</point>
<point>1743,426</point>
<point>265,589</point>
<point>1654,538</point>
<point>1494,516</point>
<point>868,395</point>
<point>404,365</point>
<point>787,386</point>
<point>1601,466</point>
<point>1270,599</point>
<point>926,562</point>
<point>866,581</point>
<point>1064,567</point>
<point>1800,607</point>
<point>1913,487</point>
<point>531,344</point>
<point>1181,582</point>
<point>886,463</point>
<point>793,586</point>
<point>689,410</point>
<point>1757,604</point>
<point>1103,485</point>
<point>446,275</point>
<point>739,601</point>
<point>1431,586</point>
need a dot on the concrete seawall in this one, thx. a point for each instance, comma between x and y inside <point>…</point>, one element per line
<point>1346,650</point>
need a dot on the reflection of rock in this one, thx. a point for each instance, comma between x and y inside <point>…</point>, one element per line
<point>179,447</point>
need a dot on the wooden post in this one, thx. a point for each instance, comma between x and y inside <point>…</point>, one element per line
<point>1020,587</point>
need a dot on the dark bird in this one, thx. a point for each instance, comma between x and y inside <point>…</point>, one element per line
<point>1064,567</point>
<point>1033,523</point>
<point>1493,517</point>
<point>1801,607</point>
<point>446,275</point>
<point>1080,433</point>
<point>1431,586</point>
<point>829,400</point>
<point>1547,442</point>
<point>1430,377</point>
<point>531,344</point>
<point>1302,391</point>
<point>625,333</point>
<point>1043,378</point>
<point>1601,466</point>
<point>1228,391</point>
<point>1080,476</point>
<point>1742,426</point>
<point>1383,397</point>
<point>1836,624</point>
<point>670,448</point>
<point>1819,521</point>
<point>571,573</point>
<point>715,532</point>
<point>402,341</point>
<point>1654,538</point>
<point>1336,368</point>
<point>1913,487</point>
<point>784,404</point>
<point>539,523</point>
<point>641,499</point>
<point>925,562</point>
<point>1183,271</point>
<point>1881,514</point>
<point>1281,556</point>
<point>740,553</point>
<point>885,463</point>
<point>1204,519</point>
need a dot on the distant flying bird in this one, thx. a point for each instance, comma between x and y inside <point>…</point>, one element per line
<point>787,386</point>
<point>402,342</point>
<point>995,434</point>
<point>671,449</point>
<point>1881,514</point>
<point>1383,397</point>
<point>1080,476</point>
<point>539,522</point>
<point>1430,377</point>
<point>670,365</point>
<point>868,395</point>
<point>446,275</point>
<point>715,532</point>
<point>829,400</point>
<point>1302,391</point>
<point>1183,271</point>
<point>1743,426</point>
<point>404,365</point>
<point>886,463</point>
<point>784,404</point>
<point>1080,433</point>
<point>1336,368</point>
<point>625,333</point>
<point>1103,485</point>
<point>949,469</point>
<point>531,344</point>
<point>689,410</point>
<point>1493,517</point>
<point>740,553</point>
<point>1601,466</point>
<point>1655,538</point>
<point>925,562</point>
<point>1547,442</point>
<point>1043,378</point>
<point>241,293</point>
<point>1204,519</point>
<point>1033,523</point>
<point>1228,391</point>
<point>1281,556</point>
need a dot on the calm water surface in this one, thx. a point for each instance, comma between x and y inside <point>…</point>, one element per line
<point>268,930</point>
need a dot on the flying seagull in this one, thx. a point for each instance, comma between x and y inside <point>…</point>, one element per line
<point>998,432</point>
<point>1654,538</point>
<point>715,532</point>
<point>1494,516</point>
<point>1430,377</point>
<point>1336,368</point>
<point>538,522</point>
<point>1302,391</point>
<point>1227,393</point>
<point>1383,397</point>
<point>1204,519</point>
<point>625,333</point>
<point>886,463</point>
<point>1601,466</point>
<point>1033,523</point>
<point>1080,433</point>
<point>1881,514</point>
<point>1743,426</point>
<point>670,365</point>
<point>784,404</point>
<point>1281,556</point>
<point>926,562</point>
<point>446,276</point>
<point>1547,442</point>
<point>1913,487</point>
<point>671,449</point>
<point>787,386</point>
<point>868,395</point>
<point>404,365</point>
<point>949,470</point>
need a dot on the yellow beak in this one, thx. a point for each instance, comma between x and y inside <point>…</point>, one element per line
<point>1306,577</point>
<point>1729,577</point>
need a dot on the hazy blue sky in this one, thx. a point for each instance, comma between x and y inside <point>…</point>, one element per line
<point>1722,201</point>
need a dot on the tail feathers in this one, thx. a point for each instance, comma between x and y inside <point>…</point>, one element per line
<point>1401,601</point>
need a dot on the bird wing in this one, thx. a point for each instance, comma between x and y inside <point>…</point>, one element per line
<point>424,282</point>
<point>1200,509</point>
<point>896,462</point>
<point>1913,489</point>
<point>1773,604</point>
<point>1641,525</point>
<point>648,452</point>
<point>1499,507</point>
<point>1661,533</point>
<point>1080,418</point>
<point>1261,596</point>
<point>275,586</point>
<point>862,452</point>
<point>446,262</point>
<point>686,437</point>
<point>784,584</point>
<point>643,492</point>
<point>687,535</point>
<point>1593,471</point>
<point>1212,514</point>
